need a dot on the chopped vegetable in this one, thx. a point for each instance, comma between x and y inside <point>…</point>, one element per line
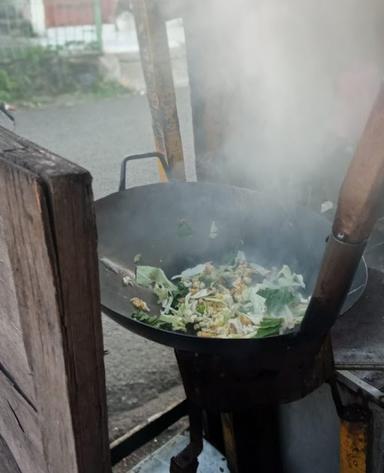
<point>147,276</point>
<point>237,300</point>
<point>140,304</point>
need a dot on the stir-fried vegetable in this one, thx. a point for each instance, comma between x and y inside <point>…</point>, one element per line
<point>239,300</point>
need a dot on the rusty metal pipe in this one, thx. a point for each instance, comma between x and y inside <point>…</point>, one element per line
<point>354,439</point>
<point>357,212</point>
<point>362,189</point>
<point>339,264</point>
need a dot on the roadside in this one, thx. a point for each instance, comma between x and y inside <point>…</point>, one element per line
<point>44,78</point>
<point>62,61</point>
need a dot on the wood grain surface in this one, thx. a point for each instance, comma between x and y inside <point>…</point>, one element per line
<point>53,410</point>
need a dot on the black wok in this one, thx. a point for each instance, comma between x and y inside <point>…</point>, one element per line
<point>169,224</point>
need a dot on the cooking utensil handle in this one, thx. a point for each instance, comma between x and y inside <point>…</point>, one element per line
<point>363,187</point>
<point>358,209</point>
<point>134,157</point>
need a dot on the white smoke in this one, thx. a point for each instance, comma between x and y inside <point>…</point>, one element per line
<point>300,77</point>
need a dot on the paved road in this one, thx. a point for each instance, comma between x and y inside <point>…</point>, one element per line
<point>97,135</point>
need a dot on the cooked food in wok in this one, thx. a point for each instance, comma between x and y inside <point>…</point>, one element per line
<point>239,299</point>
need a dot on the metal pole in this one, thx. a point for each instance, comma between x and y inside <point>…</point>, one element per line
<point>354,439</point>
<point>98,17</point>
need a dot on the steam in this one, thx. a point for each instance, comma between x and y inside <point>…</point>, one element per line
<point>299,79</point>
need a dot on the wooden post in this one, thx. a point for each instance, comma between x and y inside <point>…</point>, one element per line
<point>53,403</point>
<point>156,63</point>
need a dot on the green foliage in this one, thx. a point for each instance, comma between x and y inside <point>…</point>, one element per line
<point>44,72</point>
<point>277,299</point>
<point>269,326</point>
<point>7,86</point>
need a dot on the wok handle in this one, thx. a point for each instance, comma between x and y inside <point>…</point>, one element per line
<point>134,157</point>
<point>357,212</point>
<point>362,189</point>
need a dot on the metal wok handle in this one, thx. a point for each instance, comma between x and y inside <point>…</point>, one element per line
<point>134,157</point>
<point>358,210</point>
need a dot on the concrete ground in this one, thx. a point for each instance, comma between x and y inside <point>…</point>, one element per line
<point>142,377</point>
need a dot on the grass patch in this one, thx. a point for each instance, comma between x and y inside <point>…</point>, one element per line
<point>43,72</point>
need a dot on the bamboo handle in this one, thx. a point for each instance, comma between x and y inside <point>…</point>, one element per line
<point>362,189</point>
<point>357,212</point>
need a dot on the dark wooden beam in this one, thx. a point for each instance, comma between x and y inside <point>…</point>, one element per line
<point>53,402</point>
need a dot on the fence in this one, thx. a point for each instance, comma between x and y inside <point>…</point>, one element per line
<point>72,26</point>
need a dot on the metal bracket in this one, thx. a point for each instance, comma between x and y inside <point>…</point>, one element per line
<point>186,461</point>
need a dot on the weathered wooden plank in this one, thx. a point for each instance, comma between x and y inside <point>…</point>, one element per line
<point>36,159</point>
<point>7,461</point>
<point>8,143</point>
<point>12,349</point>
<point>20,426</point>
<point>46,208</point>
<point>26,229</point>
<point>157,68</point>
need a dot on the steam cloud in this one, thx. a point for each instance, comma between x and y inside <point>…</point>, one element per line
<point>300,77</point>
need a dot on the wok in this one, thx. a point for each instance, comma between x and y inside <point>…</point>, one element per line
<point>169,224</point>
